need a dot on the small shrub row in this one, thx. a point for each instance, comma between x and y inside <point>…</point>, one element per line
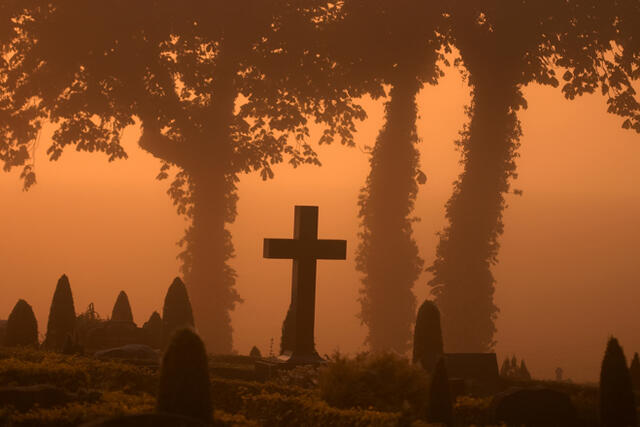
<point>277,410</point>
<point>112,404</point>
<point>28,367</point>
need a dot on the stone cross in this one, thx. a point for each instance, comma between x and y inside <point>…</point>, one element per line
<point>305,249</point>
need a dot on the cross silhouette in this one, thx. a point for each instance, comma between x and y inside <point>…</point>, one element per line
<point>304,249</point>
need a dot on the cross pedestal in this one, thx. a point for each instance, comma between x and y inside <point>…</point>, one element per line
<point>304,249</point>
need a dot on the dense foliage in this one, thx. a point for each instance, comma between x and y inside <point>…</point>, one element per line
<point>617,403</point>
<point>401,51</point>
<point>218,88</point>
<point>62,315</point>
<point>504,46</point>
<point>383,381</point>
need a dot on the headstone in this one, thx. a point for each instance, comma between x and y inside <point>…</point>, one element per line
<point>536,406</point>
<point>305,249</point>
<point>479,371</point>
<point>177,312</point>
<point>138,352</point>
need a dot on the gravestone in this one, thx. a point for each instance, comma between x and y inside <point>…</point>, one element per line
<point>478,371</point>
<point>131,352</point>
<point>305,249</point>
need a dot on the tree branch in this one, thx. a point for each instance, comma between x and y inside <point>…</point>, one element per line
<point>161,146</point>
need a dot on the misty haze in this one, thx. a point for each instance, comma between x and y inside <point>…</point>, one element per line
<point>466,154</point>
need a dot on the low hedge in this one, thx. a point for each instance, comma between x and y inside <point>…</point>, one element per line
<point>26,367</point>
<point>278,410</point>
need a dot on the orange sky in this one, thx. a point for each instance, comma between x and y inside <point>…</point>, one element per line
<point>568,275</point>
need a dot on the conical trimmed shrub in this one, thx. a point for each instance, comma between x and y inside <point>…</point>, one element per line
<point>524,372</point>
<point>185,388</point>
<point>22,327</point>
<point>617,405</point>
<point>440,409</point>
<point>122,309</point>
<point>255,352</point>
<point>634,371</point>
<point>153,330</point>
<point>177,312</point>
<point>288,337</point>
<point>427,337</point>
<point>505,370</point>
<point>62,315</point>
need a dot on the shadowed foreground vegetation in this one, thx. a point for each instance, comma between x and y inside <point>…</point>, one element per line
<point>102,388</point>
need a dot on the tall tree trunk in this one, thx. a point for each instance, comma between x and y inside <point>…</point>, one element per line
<point>388,254</point>
<point>208,277</point>
<point>212,179</point>
<point>463,282</point>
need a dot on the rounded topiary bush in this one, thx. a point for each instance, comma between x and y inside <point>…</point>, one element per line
<point>122,309</point>
<point>177,312</point>
<point>427,337</point>
<point>62,315</point>
<point>22,327</point>
<point>384,381</point>
<point>617,405</point>
<point>185,388</point>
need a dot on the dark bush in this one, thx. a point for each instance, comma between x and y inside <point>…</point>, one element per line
<point>384,381</point>
<point>152,329</point>
<point>440,408</point>
<point>634,371</point>
<point>177,312</point>
<point>617,406</point>
<point>536,406</point>
<point>427,337</point>
<point>185,388</point>
<point>524,372</point>
<point>22,327</point>
<point>62,316</point>
<point>255,352</point>
<point>122,309</point>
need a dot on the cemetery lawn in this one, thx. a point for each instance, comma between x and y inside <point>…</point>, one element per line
<point>105,388</point>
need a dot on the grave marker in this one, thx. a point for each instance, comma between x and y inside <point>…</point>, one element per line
<point>305,249</point>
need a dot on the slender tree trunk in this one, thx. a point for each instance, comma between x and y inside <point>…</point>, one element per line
<point>463,282</point>
<point>388,254</point>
